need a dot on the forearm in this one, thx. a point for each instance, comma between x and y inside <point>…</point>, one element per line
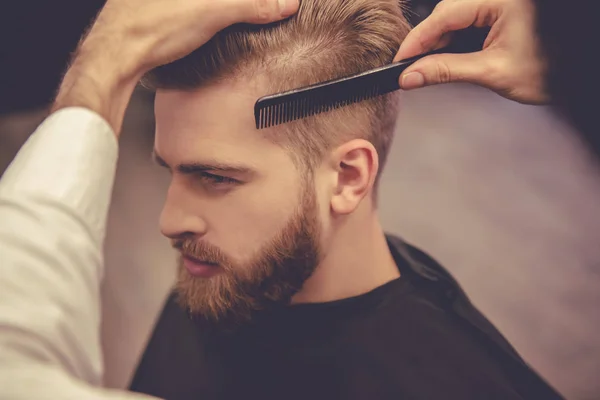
<point>94,81</point>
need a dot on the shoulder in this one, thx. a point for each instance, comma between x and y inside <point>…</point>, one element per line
<point>437,283</point>
<point>433,279</point>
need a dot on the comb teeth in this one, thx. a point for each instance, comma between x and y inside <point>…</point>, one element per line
<point>284,108</point>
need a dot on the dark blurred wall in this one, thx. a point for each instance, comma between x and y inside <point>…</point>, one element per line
<point>37,38</point>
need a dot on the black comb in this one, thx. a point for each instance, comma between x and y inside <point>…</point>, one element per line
<point>325,96</point>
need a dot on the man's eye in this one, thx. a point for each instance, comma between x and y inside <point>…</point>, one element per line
<point>218,179</point>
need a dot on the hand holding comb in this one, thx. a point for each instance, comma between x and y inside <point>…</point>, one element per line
<point>321,97</point>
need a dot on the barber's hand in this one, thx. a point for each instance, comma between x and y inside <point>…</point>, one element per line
<point>130,37</point>
<point>510,63</point>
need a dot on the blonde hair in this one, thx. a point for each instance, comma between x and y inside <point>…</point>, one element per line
<point>326,39</point>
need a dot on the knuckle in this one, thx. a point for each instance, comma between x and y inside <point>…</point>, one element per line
<point>443,6</point>
<point>504,3</point>
<point>508,5</point>
<point>264,10</point>
<point>440,6</point>
<point>443,72</point>
<point>424,42</point>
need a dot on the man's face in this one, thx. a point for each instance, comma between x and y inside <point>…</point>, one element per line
<point>245,219</point>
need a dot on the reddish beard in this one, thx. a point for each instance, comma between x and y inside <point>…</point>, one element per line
<point>272,277</point>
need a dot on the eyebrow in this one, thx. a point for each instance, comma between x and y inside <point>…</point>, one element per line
<point>196,167</point>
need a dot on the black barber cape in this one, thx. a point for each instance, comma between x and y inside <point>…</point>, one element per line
<point>414,338</point>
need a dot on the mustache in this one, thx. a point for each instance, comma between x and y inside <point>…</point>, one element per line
<point>202,251</point>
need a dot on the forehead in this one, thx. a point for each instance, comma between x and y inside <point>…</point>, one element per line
<point>215,121</point>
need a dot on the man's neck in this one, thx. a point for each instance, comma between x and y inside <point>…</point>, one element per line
<point>357,261</point>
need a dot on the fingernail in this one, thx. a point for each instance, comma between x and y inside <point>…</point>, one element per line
<point>412,80</point>
<point>288,7</point>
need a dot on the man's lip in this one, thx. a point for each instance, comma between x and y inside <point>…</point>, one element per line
<point>198,260</point>
<point>200,268</point>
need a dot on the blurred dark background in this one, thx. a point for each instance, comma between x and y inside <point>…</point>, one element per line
<point>504,195</point>
<point>37,40</point>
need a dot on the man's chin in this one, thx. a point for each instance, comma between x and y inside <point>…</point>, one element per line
<point>224,305</point>
<point>213,300</point>
<point>221,318</point>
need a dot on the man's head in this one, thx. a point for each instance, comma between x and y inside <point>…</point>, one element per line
<point>264,205</point>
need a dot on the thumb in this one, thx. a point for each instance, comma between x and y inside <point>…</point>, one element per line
<point>447,68</point>
<point>258,11</point>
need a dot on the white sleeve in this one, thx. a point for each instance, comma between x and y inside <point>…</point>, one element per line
<point>54,201</point>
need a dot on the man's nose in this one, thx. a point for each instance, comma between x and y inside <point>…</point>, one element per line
<point>181,214</point>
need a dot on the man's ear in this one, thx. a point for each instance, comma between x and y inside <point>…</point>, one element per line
<point>356,163</point>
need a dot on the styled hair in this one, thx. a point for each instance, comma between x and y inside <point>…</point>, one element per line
<point>326,39</point>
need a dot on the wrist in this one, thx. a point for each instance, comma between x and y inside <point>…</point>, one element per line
<point>101,82</point>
